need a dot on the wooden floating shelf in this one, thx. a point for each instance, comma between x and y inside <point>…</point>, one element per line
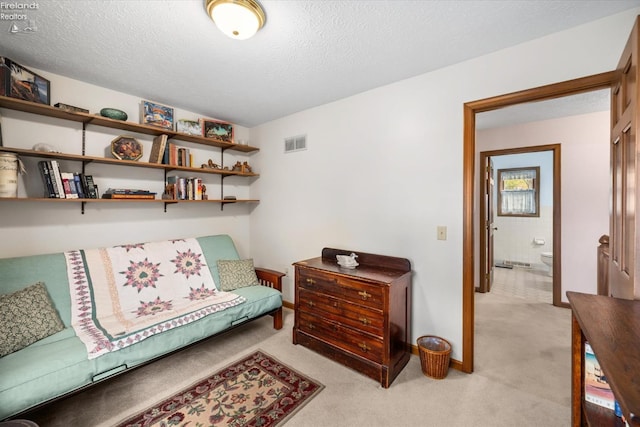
<point>128,200</point>
<point>49,111</point>
<point>97,120</point>
<point>134,163</point>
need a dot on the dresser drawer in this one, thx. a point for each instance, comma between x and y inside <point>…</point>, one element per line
<point>341,287</point>
<point>342,311</point>
<point>342,336</point>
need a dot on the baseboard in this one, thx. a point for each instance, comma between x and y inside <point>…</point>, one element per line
<point>453,363</point>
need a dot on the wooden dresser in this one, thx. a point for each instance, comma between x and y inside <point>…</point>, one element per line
<point>357,317</point>
<point>612,327</point>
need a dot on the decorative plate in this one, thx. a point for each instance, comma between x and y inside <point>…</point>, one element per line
<point>126,148</point>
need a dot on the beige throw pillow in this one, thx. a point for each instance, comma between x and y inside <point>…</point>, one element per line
<point>236,274</point>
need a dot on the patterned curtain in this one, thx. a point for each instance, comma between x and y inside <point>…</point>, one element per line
<point>518,192</point>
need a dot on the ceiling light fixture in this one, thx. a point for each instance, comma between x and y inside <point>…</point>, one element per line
<point>238,19</point>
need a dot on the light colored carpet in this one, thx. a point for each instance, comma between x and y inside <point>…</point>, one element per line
<point>522,377</point>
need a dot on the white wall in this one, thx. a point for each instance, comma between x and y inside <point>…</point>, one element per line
<point>29,227</point>
<point>383,168</point>
<point>584,141</point>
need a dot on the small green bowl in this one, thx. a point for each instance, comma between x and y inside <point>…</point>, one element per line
<point>113,113</point>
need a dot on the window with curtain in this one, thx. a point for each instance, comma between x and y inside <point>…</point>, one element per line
<point>518,191</point>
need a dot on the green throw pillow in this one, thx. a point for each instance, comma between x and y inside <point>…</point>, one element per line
<point>26,316</point>
<point>236,274</point>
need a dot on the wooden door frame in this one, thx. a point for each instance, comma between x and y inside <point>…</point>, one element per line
<point>557,208</point>
<point>556,90</point>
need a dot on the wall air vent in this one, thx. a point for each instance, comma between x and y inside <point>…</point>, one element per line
<point>295,143</point>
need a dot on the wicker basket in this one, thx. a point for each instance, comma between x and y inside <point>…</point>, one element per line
<point>434,356</point>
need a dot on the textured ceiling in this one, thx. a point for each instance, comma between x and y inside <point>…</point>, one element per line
<point>583,103</point>
<point>309,52</point>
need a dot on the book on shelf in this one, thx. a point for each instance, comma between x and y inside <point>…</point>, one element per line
<point>182,161</point>
<point>89,187</point>
<point>56,178</point>
<point>79,186</point>
<point>128,196</point>
<point>184,157</point>
<point>69,184</point>
<point>596,387</point>
<point>178,156</point>
<point>173,154</point>
<point>126,193</point>
<point>157,149</point>
<point>46,178</point>
<point>71,108</point>
<point>165,157</point>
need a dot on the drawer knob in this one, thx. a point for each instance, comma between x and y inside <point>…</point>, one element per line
<point>311,326</point>
<point>364,295</point>
<point>364,347</point>
<point>365,321</point>
<point>311,281</point>
<point>335,304</point>
<point>311,303</point>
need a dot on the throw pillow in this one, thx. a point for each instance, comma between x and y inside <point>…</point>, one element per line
<point>236,274</point>
<point>26,316</point>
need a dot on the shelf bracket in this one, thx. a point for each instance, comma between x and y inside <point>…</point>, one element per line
<point>166,203</point>
<point>222,177</point>
<point>84,138</point>
<point>84,144</point>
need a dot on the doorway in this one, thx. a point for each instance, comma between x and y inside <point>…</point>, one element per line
<point>525,249</point>
<point>557,90</point>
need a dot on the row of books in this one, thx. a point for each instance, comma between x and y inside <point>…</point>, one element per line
<point>169,153</point>
<point>179,188</point>
<point>66,185</point>
<point>178,156</point>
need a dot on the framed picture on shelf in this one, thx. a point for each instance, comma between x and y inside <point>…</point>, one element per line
<point>19,82</point>
<point>156,115</point>
<point>216,129</point>
<point>189,127</point>
<point>126,148</point>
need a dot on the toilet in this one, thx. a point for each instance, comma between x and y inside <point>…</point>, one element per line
<point>547,258</point>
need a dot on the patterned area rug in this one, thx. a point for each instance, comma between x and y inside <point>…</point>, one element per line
<point>257,390</point>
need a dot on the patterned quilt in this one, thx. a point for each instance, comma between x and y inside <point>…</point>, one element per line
<point>124,294</point>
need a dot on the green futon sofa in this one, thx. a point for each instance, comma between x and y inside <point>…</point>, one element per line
<point>59,365</point>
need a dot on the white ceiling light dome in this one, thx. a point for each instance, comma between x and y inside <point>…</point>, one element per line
<point>238,19</point>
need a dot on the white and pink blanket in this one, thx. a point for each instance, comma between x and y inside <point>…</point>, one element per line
<point>124,294</point>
